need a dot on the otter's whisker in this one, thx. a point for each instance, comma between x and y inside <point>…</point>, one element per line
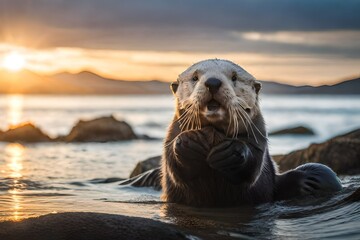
<point>231,117</point>
<point>248,120</point>
<point>185,121</point>
<point>187,118</point>
<point>193,119</point>
<point>251,123</point>
<point>236,121</point>
<point>244,122</point>
<point>183,118</point>
<point>169,143</point>
<point>247,116</point>
<point>184,115</point>
<point>198,122</point>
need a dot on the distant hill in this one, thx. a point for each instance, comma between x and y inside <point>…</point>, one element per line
<point>346,87</point>
<point>27,82</point>
<point>91,83</point>
<point>85,82</point>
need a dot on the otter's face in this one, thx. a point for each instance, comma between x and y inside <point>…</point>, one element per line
<point>217,92</point>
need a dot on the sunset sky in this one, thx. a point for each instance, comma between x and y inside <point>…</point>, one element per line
<point>298,42</point>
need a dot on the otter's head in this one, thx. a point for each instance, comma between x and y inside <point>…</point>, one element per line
<point>218,93</point>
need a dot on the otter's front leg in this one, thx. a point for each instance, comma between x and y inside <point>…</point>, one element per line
<point>238,161</point>
<point>309,179</point>
<point>189,151</point>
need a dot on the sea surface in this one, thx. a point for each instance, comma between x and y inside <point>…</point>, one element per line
<point>43,178</point>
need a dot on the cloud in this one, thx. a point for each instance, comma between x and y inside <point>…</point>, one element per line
<point>340,42</point>
<point>343,39</point>
<point>179,25</point>
<point>297,40</point>
<point>166,66</point>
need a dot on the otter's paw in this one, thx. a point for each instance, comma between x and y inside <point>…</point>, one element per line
<point>191,146</point>
<point>229,158</point>
<point>310,179</point>
<point>317,179</point>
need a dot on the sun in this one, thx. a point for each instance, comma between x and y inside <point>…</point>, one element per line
<point>14,61</point>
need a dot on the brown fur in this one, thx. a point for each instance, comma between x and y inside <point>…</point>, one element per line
<point>195,182</point>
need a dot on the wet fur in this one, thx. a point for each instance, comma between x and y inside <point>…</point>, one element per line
<point>224,160</point>
<point>194,177</point>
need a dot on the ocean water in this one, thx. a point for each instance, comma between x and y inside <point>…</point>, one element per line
<point>41,178</point>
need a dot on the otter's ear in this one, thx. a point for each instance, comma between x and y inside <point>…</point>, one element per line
<point>174,86</point>
<point>257,86</point>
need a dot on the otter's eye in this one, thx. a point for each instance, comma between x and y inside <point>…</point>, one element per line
<point>195,78</point>
<point>234,78</point>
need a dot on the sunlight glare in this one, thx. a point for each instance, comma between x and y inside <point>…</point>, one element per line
<point>14,153</point>
<point>14,61</point>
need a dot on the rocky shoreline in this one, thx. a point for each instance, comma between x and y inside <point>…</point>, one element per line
<point>103,129</point>
<point>341,153</point>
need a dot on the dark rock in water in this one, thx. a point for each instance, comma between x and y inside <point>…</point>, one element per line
<point>152,124</point>
<point>102,129</point>
<point>60,138</point>
<point>341,153</point>
<point>106,180</point>
<point>146,137</point>
<point>26,132</point>
<point>151,178</point>
<point>300,130</point>
<point>89,226</point>
<point>146,165</point>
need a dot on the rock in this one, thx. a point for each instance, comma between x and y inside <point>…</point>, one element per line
<point>89,226</point>
<point>105,180</point>
<point>147,137</point>
<point>61,138</point>
<point>102,129</point>
<point>151,178</point>
<point>300,130</point>
<point>341,153</point>
<point>146,165</point>
<point>25,132</point>
<point>152,124</point>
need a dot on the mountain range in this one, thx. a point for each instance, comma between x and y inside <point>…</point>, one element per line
<point>27,82</point>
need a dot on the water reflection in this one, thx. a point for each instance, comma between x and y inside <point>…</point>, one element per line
<point>14,154</point>
<point>206,218</point>
<point>15,109</point>
<point>16,204</point>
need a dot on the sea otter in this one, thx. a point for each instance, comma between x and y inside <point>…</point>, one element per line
<point>216,149</point>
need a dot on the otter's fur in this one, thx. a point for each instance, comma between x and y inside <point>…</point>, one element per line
<point>216,151</point>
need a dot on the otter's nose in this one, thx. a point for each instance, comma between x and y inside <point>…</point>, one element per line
<point>213,84</point>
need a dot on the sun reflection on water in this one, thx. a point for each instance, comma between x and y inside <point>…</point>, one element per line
<point>16,204</point>
<point>15,109</point>
<point>14,153</point>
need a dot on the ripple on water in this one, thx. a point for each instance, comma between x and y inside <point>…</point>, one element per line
<point>337,217</point>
